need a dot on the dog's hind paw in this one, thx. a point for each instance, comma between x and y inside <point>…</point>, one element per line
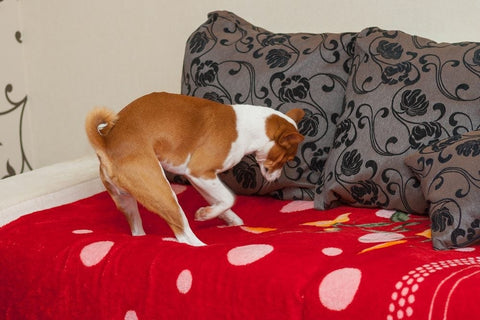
<point>231,219</point>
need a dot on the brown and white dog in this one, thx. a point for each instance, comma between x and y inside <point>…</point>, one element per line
<point>190,136</point>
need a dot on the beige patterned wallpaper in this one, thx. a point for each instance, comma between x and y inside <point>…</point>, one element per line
<point>13,98</point>
<point>59,59</point>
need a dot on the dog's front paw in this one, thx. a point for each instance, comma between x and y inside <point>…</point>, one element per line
<point>205,213</point>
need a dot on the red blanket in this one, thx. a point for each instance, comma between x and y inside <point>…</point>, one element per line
<point>289,261</point>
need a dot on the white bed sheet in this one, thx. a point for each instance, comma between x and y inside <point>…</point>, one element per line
<point>48,187</point>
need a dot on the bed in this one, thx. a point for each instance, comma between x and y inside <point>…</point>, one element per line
<point>322,242</point>
<point>289,261</point>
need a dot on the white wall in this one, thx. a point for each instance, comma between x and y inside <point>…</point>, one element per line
<point>85,53</point>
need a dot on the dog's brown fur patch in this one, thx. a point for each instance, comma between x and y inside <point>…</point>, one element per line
<point>187,123</point>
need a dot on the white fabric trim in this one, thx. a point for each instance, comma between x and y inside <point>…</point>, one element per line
<point>48,187</point>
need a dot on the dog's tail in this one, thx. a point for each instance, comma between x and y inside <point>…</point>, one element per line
<point>98,124</point>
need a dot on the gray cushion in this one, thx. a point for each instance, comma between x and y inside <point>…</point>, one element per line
<point>449,171</point>
<point>404,92</point>
<point>229,60</point>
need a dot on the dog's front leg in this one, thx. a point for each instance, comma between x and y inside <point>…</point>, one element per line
<point>220,198</point>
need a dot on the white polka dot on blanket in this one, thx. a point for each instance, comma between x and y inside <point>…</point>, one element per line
<point>241,256</point>
<point>82,231</point>
<point>466,249</point>
<point>131,315</point>
<point>93,253</point>
<point>331,252</point>
<point>375,237</point>
<point>384,213</point>
<point>184,281</point>
<point>178,188</point>
<point>338,289</point>
<point>170,239</point>
<point>298,205</point>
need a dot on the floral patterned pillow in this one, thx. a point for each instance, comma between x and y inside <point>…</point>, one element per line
<point>449,172</point>
<point>229,60</point>
<point>404,92</point>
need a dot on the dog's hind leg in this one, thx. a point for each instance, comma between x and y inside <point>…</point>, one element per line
<point>145,179</point>
<point>126,203</point>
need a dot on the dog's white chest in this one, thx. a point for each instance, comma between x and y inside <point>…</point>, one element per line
<point>250,126</point>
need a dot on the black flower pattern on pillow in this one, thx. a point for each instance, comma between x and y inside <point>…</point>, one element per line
<point>199,42</point>
<point>272,39</point>
<point>214,97</point>
<point>397,73</point>
<point>345,133</point>
<point>278,58</point>
<point>229,60</point>
<point>441,219</point>
<point>404,93</point>
<point>476,57</point>
<point>294,89</point>
<point>424,134</point>
<point>414,103</point>
<point>365,192</point>
<point>390,50</point>
<point>245,174</point>
<point>351,163</point>
<point>450,181</point>
<point>468,148</point>
<point>206,73</point>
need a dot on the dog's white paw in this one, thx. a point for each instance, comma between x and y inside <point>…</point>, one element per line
<point>189,238</point>
<point>205,213</point>
<point>137,230</point>
<point>231,219</point>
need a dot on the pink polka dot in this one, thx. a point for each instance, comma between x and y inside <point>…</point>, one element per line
<point>131,315</point>
<point>93,253</point>
<point>241,256</point>
<point>338,289</point>
<point>295,206</point>
<point>184,281</point>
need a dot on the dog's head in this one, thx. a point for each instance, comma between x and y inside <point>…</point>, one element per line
<point>283,144</point>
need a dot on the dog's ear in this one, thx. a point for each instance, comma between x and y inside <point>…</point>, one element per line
<point>291,138</point>
<point>296,114</point>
